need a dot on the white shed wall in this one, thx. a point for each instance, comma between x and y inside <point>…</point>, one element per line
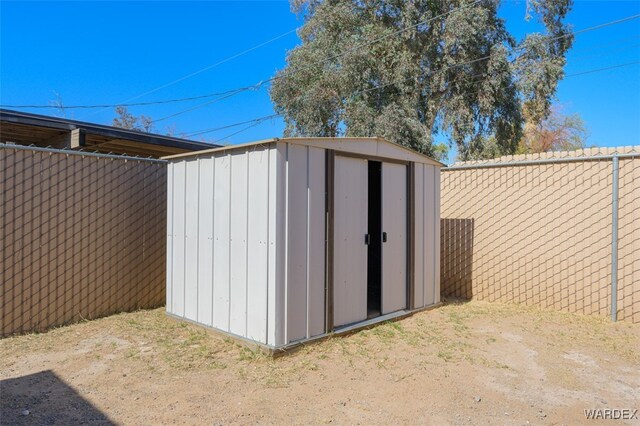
<point>220,233</point>
<point>246,240</point>
<point>305,241</point>
<point>427,235</point>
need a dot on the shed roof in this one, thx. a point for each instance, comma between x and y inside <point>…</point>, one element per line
<point>376,147</point>
<point>41,130</point>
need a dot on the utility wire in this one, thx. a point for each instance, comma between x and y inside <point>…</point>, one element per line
<point>215,129</point>
<point>210,95</point>
<point>209,67</point>
<point>263,82</point>
<point>222,139</point>
<point>592,28</point>
<point>483,74</point>
<point>550,39</point>
<point>261,119</point>
<point>602,69</point>
<point>260,84</point>
<point>232,93</point>
<point>158,102</point>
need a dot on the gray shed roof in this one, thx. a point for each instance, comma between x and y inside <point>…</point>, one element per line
<point>377,147</point>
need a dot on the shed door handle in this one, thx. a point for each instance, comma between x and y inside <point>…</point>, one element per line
<point>384,237</point>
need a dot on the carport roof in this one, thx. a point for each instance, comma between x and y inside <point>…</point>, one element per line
<point>33,129</point>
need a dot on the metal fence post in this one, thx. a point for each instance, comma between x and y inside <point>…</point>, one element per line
<point>614,241</point>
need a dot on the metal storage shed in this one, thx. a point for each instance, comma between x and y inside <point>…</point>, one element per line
<point>285,240</point>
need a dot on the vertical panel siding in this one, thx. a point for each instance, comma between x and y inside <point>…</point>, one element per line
<point>170,207</point>
<point>265,210</point>
<point>224,207</point>
<point>419,235</point>
<point>429,226</point>
<point>350,252</point>
<point>394,223</point>
<point>277,245</point>
<point>315,242</point>
<point>177,282</point>
<point>297,175</point>
<point>436,234</point>
<point>305,204</point>
<point>257,240</point>
<point>238,245</point>
<point>191,240</point>
<point>221,209</point>
<point>205,241</point>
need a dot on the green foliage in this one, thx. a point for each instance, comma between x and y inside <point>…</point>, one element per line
<point>463,75</point>
<point>439,151</point>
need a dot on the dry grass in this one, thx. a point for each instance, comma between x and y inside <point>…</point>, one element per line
<point>453,342</point>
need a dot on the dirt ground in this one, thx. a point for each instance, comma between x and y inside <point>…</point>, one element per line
<point>462,363</point>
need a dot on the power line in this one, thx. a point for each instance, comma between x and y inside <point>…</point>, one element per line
<point>230,94</point>
<point>472,78</point>
<point>235,91</point>
<point>592,28</point>
<point>158,102</point>
<point>238,132</point>
<point>209,67</point>
<point>215,129</point>
<point>260,119</point>
<point>465,78</point>
<point>602,69</point>
<point>209,95</point>
<point>482,74</point>
<point>550,39</point>
<point>257,85</point>
<point>260,84</point>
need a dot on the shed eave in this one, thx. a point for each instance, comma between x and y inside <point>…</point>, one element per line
<point>196,154</point>
<point>416,155</point>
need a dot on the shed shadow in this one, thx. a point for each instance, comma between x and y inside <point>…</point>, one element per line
<point>48,399</point>
<point>456,258</point>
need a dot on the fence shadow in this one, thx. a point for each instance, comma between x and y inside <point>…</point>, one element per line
<point>48,399</point>
<point>456,261</point>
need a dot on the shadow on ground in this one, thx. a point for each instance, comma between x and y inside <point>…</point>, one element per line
<point>45,399</point>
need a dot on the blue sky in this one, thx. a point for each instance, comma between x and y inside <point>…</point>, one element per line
<point>111,52</point>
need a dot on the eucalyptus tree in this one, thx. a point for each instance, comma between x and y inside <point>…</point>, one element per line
<point>417,71</point>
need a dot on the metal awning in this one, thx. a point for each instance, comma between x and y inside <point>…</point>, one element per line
<point>41,130</point>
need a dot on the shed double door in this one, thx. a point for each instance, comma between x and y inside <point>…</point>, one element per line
<point>353,237</point>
